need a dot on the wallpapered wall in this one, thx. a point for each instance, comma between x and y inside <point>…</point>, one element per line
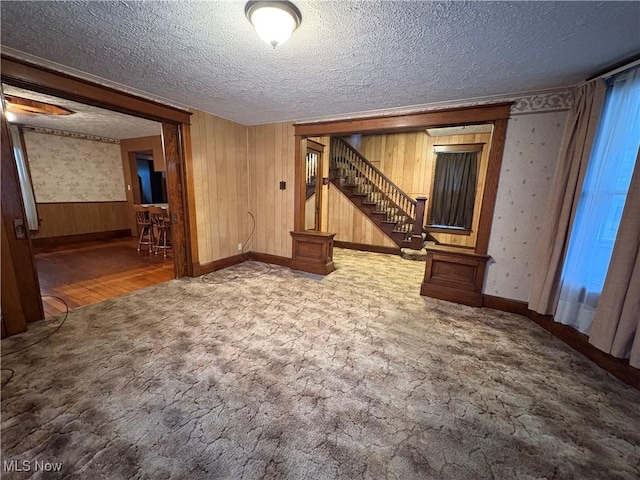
<point>65,169</point>
<point>530,155</point>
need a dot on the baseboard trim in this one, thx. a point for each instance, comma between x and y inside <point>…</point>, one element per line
<point>579,342</point>
<point>268,258</point>
<point>505,305</point>
<point>48,242</point>
<point>204,268</point>
<point>363,247</point>
<point>456,295</point>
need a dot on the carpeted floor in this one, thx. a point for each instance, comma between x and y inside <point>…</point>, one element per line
<point>268,373</point>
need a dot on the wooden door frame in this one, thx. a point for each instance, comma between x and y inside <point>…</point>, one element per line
<point>496,114</point>
<point>21,300</point>
<point>318,149</point>
<point>175,134</point>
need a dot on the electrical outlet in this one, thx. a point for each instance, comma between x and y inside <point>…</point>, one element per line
<point>239,246</point>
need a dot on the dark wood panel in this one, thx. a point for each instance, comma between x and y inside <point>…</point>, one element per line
<point>13,318</point>
<point>23,275</point>
<point>400,123</point>
<point>78,218</point>
<point>313,252</point>
<point>576,340</point>
<point>491,185</point>
<point>190,188</point>
<point>454,274</point>
<point>177,199</point>
<point>40,79</point>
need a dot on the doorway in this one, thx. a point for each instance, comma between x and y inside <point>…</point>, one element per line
<point>174,136</point>
<point>75,194</point>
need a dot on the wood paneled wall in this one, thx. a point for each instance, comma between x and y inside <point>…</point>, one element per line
<point>220,179</point>
<point>404,158</point>
<point>271,152</point>
<point>61,219</point>
<point>408,160</point>
<point>350,224</point>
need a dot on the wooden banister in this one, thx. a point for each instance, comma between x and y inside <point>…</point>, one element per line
<point>370,182</point>
<point>373,168</point>
<point>418,223</point>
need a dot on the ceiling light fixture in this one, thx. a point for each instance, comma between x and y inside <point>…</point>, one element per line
<point>274,21</point>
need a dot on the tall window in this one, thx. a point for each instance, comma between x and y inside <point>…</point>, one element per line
<point>454,190</point>
<point>599,210</point>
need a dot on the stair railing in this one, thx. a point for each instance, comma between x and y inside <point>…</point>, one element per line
<point>346,157</point>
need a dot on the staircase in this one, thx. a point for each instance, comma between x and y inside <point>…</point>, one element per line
<point>399,216</point>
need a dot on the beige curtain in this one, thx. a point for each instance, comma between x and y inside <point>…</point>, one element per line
<point>615,325</point>
<point>575,150</point>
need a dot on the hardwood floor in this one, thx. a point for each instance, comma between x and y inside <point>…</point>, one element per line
<point>91,272</point>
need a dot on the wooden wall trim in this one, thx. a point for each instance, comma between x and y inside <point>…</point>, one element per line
<point>177,205</point>
<point>13,318</point>
<point>299,196</point>
<point>203,269</point>
<point>22,270</point>
<point>579,342</point>
<point>44,80</point>
<point>191,195</point>
<point>491,185</point>
<point>268,258</point>
<point>48,242</point>
<point>400,123</point>
<point>363,247</point>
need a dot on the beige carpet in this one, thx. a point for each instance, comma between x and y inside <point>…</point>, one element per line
<point>269,373</point>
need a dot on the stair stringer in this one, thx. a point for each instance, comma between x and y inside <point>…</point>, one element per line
<point>352,224</point>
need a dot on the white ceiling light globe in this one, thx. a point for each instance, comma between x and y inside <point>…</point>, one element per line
<point>274,21</point>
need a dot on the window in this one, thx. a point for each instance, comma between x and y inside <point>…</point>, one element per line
<point>454,190</point>
<point>602,200</point>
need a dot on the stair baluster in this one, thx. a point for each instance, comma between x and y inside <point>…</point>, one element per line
<point>400,216</point>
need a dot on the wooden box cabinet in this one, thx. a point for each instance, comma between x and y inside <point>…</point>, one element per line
<point>313,252</point>
<point>455,275</point>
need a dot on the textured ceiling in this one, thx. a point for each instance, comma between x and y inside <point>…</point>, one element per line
<point>86,119</point>
<point>346,56</point>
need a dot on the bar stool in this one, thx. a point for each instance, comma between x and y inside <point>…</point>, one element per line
<point>162,223</point>
<point>143,219</point>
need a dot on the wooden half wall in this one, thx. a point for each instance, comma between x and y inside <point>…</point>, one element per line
<point>81,218</point>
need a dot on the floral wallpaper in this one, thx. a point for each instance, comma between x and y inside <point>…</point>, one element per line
<point>68,169</point>
<point>530,155</point>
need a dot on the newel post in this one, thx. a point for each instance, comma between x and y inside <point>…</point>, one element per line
<point>416,237</point>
